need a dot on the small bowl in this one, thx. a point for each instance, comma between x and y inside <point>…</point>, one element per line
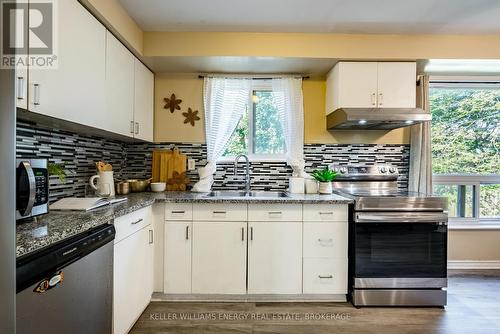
<point>158,187</point>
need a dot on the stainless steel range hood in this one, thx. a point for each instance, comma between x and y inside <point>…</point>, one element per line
<point>375,118</point>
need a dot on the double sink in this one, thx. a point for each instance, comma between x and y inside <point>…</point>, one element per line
<point>252,194</point>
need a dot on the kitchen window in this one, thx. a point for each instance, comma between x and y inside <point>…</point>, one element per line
<point>259,133</point>
<point>466,149</point>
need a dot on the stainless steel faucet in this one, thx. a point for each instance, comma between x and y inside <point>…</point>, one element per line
<point>247,176</point>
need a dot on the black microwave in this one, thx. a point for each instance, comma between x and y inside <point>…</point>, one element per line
<point>32,188</point>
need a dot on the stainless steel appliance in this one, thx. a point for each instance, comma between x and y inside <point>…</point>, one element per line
<point>68,287</point>
<point>397,240</point>
<point>32,193</point>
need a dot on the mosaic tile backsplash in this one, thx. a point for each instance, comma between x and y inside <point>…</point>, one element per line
<point>79,152</point>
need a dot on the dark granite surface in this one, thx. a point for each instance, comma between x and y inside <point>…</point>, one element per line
<point>57,226</point>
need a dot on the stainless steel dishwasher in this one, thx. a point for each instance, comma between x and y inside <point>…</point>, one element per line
<point>68,287</point>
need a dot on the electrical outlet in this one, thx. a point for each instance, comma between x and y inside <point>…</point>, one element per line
<point>191,164</point>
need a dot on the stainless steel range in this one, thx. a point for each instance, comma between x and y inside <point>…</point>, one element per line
<point>397,240</point>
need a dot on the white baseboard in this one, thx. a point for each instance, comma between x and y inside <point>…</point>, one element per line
<point>472,264</point>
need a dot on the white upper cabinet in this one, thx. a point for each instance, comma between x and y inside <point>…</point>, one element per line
<point>143,102</point>
<point>397,85</point>
<point>74,91</point>
<point>371,85</point>
<point>119,113</point>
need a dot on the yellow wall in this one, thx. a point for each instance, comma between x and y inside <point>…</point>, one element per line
<point>169,126</point>
<point>321,45</point>
<point>118,21</point>
<point>474,245</point>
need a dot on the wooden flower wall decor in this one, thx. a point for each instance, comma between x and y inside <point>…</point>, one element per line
<point>172,103</point>
<point>191,116</point>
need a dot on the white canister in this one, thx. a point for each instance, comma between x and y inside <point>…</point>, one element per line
<point>296,185</point>
<point>105,185</point>
<point>311,186</point>
<point>325,187</point>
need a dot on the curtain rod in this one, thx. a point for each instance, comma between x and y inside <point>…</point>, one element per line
<point>253,78</point>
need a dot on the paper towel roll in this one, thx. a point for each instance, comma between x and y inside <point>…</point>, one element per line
<point>296,185</point>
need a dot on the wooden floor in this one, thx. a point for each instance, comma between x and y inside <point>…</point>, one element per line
<point>473,307</point>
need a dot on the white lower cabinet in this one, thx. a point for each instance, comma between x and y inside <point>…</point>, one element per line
<point>275,258</point>
<point>219,257</point>
<point>177,257</point>
<point>255,249</point>
<point>132,269</point>
<point>325,276</point>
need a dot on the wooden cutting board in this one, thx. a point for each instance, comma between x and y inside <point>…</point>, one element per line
<point>165,163</point>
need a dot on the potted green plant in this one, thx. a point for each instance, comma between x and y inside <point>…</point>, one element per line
<point>325,177</point>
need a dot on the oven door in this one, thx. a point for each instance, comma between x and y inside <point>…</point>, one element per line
<point>399,249</point>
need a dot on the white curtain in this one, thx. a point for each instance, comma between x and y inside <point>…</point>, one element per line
<point>287,95</point>
<point>224,100</point>
<point>420,178</point>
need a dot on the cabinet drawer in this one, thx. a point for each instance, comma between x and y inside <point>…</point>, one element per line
<point>275,212</point>
<point>325,240</point>
<point>325,276</point>
<point>131,223</point>
<point>179,211</point>
<point>325,212</point>
<point>219,212</point>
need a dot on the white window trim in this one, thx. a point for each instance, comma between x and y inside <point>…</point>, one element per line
<point>475,180</point>
<point>256,85</point>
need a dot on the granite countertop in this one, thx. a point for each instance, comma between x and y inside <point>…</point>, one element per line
<point>57,226</point>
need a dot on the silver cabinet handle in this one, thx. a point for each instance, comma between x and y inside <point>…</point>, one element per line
<point>151,236</point>
<point>20,88</point>
<point>380,99</point>
<point>326,213</point>
<point>242,234</point>
<point>218,213</point>
<point>137,222</point>
<point>136,128</point>
<point>274,213</point>
<point>132,127</point>
<point>373,99</point>
<point>187,232</point>
<point>325,240</point>
<point>178,212</point>
<point>325,276</point>
<point>36,94</point>
<point>251,233</point>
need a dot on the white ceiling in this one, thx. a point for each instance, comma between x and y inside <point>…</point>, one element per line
<point>322,16</point>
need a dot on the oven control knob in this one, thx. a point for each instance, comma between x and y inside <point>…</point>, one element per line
<point>343,170</point>
<point>383,169</point>
<point>392,170</point>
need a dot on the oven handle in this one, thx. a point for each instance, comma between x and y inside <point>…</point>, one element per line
<point>401,217</point>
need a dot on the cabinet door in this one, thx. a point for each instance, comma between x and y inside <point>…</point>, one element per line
<point>275,258</point>
<point>219,257</point>
<point>397,85</point>
<point>143,102</point>
<point>119,87</point>
<point>177,274</point>
<point>73,91</point>
<point>357,85</point>
<point>132,279</point>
